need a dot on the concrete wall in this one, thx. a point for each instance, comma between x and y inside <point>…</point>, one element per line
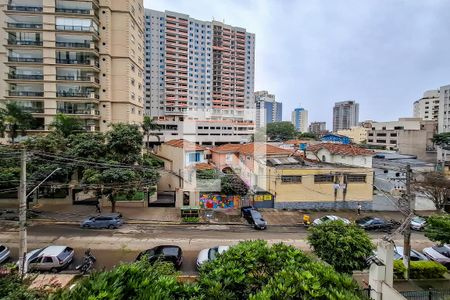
<point>349,160</point>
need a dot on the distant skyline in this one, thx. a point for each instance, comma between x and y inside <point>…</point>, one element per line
<point>312,53</point>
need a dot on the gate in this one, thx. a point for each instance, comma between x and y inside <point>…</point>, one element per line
<point>430,294</point>
<point>163,199</point>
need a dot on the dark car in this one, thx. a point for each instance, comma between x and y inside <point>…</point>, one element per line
<point>168,253</point>
<point>373,223</point>
<point>110,221</point>
<point>254,217</point>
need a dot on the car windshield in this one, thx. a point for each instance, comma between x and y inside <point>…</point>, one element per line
<point>212,253</point>
<point>169,251</point>
<point>418,220</point>
<point>364,220</point>
<point>323,219</point>
<point>256,214</point>
<point>442,250</point>
<point>2,248</point>
<point>36,254</point>
<point>64,254</point>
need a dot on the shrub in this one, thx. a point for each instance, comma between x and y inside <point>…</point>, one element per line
<point>191,219</point>
<point>420,270</point>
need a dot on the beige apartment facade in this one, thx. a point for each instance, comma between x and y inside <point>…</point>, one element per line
<point>356,133</point>
<point>83,58</point>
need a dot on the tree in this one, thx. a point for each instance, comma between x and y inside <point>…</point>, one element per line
<point>13,287</point>
<point>345,247</point>
<point>233,185</point>
<point>14,120</point>
<point>87,145</point>
<point>282,131</point>
<point>438,228</point>
<point>436,186</point>
<point>148,126</point>
<point>254,270</point>
<point>66,125</point>
<point>442,139</point>
<point>306,135</point>
<point>124,143</point>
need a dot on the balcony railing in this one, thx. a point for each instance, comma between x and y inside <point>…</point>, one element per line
<point>76,78</point>
<point>75,28</point>
<point>26,93</point>
<point>79,111</point>
<point>25,59</point>
<point>73,61</point>
<point>24,25</point>
<point>76,94</point>
<point>25,76</point>
<point>24,8</point>
<point>24,43</point>
<point>73,11</point>
<point>34,110</point>
<point>73,45</point>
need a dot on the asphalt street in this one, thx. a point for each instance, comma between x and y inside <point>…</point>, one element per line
<point>111,247</point>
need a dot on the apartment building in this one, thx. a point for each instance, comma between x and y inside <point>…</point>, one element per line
<point>427,107</point>
<point>407,136</point>
<point>82,58</point>
<point>268,110</point>
<point>194,67</point>
<point>345,115</point>
<point>318,127</point>
<point>357,134</point>
<point>300,119</point>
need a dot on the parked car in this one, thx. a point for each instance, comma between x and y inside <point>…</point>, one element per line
<point>110,221</point>
<point>168,253</point>
<point>373,223</point>
<point>51,258</point>
<point>414,255</point>
<point>330,218</point>
<point>254,217</point>
<point>440,254</point>
<point>210,254</point>
<point>4,253</point>
<point>418,223</point>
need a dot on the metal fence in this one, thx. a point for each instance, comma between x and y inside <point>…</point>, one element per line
<point>427,294</point>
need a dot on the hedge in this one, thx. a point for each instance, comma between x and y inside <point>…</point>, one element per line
<point>420,270</point>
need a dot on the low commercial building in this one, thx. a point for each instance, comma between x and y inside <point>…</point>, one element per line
<point>348,155</point>
<point>357,134</point>
<point>313,185</point>
<point>407,136</point>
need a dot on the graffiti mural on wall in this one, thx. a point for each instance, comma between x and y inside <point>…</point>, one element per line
<point>214,200</point>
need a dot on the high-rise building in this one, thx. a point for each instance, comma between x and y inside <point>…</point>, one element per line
<point>444,109</point>
<point>345,115</point>
<point>268,110</point>
<point>83,58</point>
<point>318,127</point>
<point>427,107</point>
<point>300,119</point>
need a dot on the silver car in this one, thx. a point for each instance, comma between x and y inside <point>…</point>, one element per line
<point>330,218</point>
<point>51,258</point>
<point>4,253</point>
<point>418,223</point>
<point>210,254</point>
<point>440,254</point>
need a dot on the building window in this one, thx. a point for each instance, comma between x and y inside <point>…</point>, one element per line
<point>291,179</point>
<point>323,178</point>
<point>356,178</point>
<point>194,157</point>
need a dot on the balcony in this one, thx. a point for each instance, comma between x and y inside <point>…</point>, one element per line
<point>93,112</point>
<point>73,11</point>
<point>73,45</point>
<point>24,25</point>
<point>25,76</point>
<point>24,8</point>
<point>25,59</point>
<point>77,94</point>
<point>73,61</point>
<point>24,43</point>
<point>75,28</point>
<point>26,93</point>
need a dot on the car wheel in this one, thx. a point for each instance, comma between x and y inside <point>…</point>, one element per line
<point>86,226</point>
<point>54,270</point>
<point>111,227</point>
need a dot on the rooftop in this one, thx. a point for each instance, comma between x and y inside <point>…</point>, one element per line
<point>341,149</point>
<point>227,148</point>
<point>251,148</point>
<point>186,145</point>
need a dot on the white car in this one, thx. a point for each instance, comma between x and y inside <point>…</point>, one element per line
<point>210,254</point>
<point>418,223</point>
<point>330,218</point>
<point>4,253</point>
<point>440,254</point>
<point>51,258</point>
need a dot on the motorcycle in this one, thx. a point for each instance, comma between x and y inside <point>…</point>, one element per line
<point>306,221</point>
<point>88,263</point>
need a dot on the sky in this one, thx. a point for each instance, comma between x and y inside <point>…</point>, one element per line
<point>312,53</point>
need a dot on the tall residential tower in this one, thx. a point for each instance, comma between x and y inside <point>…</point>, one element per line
<point>84,58</point>
<point>345,115</point>
<point>300,119</point>
<point>268,110</point>
<point>427,107</point>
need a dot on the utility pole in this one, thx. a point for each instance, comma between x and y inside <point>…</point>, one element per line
<point>407,233</point>
<point>23,213</point>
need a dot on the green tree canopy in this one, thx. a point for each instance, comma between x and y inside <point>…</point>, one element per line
<point>442,139</point>
<point>87,145</point>
<point>15,119</point>
<point>66,125</point>
<point>438,228</point>
<point>148,126</point>
<point>282,131</point>
<point>345,247</point>
<point>124,143</point>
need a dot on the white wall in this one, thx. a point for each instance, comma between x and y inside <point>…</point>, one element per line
<point>349,160</point>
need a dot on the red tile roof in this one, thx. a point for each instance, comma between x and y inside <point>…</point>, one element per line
<point>261,148</point>
<point>203,166</point>
<point>341,149</point>
<point>227,148</point>
<point>186,145</point>
<point>297,142</point>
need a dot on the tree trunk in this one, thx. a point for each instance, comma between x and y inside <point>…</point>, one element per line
<point>146,146</point>
<point>113,206</point>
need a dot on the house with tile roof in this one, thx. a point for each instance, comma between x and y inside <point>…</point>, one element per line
<point>349,155</point>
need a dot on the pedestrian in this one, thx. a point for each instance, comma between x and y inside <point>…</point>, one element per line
<point>359,208</point>
<point>97,206</point>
